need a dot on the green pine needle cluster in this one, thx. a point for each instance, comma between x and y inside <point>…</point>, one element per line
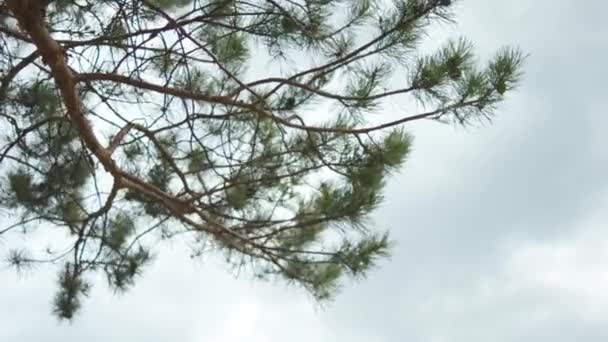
<point>248,128</point>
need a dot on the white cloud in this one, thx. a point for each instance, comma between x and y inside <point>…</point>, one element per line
<point>547,288</point>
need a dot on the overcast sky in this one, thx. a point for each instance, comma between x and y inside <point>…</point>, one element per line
<point>501,230</point>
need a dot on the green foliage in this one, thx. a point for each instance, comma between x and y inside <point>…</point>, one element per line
<point>503,70</point>
<point>150,206</point>
<point>72,288</point>
<point>40,98</point>
<point>117,32</point>
<point>21,186</point>
<point>395,148</point>
<point>167,4</point>
<point>70,209</point>
<point>447,65</point>
<point>192,80</point>
<point>299,237</point>
<point>132,151</point>
<point>368,81</point>
<point>250,128</point>
<point>236,197</point>
<point>19,259</point>
<point>362,255</point>
<point>198,160</point>
<point>121,227</point>
<point>231,49</point>
<point>122,270</point>
<point>320,279</point>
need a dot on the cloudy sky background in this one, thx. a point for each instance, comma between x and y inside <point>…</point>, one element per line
<point>501,230</point>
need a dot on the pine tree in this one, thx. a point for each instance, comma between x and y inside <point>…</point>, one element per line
<point>126,119</point>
